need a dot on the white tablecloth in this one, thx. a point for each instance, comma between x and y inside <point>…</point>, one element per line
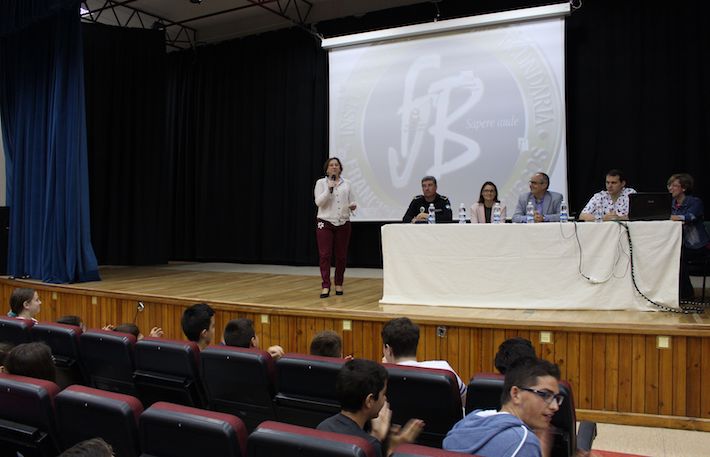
<point>535,266</point>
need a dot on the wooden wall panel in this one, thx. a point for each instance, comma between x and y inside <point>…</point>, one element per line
<point>610,371</point>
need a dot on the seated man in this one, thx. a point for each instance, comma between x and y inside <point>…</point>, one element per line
<point>441,204</point>
<point>531,396</point>
<point>612,203</point>
<point>327,344</point>
<point>546,203</point>
<point>240,333</point>
<point>362,391</point>
<point>400,338</point>
<point>198,324</point>
<point>512,350</point>
<point>33,360</point>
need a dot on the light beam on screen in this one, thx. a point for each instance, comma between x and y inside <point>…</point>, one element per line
<point>466,105</point>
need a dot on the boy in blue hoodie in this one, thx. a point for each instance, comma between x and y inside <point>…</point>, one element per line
<point>531,396</point>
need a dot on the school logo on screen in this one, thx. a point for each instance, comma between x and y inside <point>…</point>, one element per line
<point>452,111</point>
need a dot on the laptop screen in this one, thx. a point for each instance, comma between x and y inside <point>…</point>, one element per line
<point>649,206</point>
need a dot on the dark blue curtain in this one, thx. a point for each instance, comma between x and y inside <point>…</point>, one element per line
<point>44,128</point>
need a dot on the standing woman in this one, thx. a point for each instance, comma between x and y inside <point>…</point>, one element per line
<point>481,211</point>
<point>335,201</point>
<point>689,210</point>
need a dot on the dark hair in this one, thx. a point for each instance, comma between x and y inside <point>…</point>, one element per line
<point>128,328</point>
<point>357,379</point>
<point>686,181</point>
<point>18,299</point>
<point>33,360</point>
<point>617,172</point>
<point>327,343</point>
<point>327,162</point>
<point>512,350</point>
<point>524,373</point>
<point>402,336</point>
<point>70,320</point>
<point>195,319</point>
<point>480,194</point>
<point>429,178</point>
<point>95,447</point>
<point>239,332</point>
<point>5,349</point>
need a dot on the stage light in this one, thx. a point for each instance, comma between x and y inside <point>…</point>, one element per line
<point>196,2</point>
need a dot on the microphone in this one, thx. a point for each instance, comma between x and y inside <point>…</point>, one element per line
<point>139,309</point>
<point>332,178</point>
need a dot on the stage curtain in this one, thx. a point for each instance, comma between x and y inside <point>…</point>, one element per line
<point>124,70</point>
<point>247,137</point>
<point>42,106</point>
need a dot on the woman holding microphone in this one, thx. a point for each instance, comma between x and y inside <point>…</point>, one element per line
<point>335,201</point>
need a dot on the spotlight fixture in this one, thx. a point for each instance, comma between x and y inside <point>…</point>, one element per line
<point>195,2</point>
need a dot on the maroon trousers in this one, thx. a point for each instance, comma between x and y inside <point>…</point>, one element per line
<point>329,236</point>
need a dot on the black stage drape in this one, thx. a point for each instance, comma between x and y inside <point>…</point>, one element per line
<point>125,104</point>
<point>247,135</point>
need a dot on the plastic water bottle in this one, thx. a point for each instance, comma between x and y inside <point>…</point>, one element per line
<point>598,217</point>
<point>495,216</point>
<point>432,214</point>
<point>564,212</point>
<point>530,213</point>
<point>462,213</point>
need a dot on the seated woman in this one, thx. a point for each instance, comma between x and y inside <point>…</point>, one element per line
<point>24,304</point>
<point>688,209</point>
<point>33,360</point>
<point>481,211</point>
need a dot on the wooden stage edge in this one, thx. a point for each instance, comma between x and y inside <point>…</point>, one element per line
<point>631,368</point>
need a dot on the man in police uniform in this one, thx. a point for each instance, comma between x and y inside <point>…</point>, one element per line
<point>441,203</point>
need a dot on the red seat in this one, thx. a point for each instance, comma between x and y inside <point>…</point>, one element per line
<point>14,330</point>
<point>169,430</point>
<point>275,439</point>
<point>107,357</point>
<point>27,424</point>
<point>85,412</point>
<point>63,340</point>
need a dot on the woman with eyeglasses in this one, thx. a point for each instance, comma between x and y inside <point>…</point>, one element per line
<point>696,242</point>
<point>482,210</point>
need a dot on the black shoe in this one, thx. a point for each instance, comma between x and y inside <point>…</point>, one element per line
<point>339,292</point>
<point>325,294</point>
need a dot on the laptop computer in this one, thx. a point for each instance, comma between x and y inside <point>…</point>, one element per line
<point>649,206</point>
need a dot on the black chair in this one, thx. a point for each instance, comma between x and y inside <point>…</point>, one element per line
<point>424,393</point>
<point>275,439</point>
<point>27,419</point>
<point>84,413</point>
<point>168,370</point>
<point>169,430</point>
<point>305,389</point>
<point>107,357</point>
<point>241,382</point>
<point>14,330</point>
<point>415,450</point>
<point>484,391</point>
<point>64,342</point>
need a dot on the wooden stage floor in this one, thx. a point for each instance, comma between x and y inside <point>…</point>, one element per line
<point>295,290</point>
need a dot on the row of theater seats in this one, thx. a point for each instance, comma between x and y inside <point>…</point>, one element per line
<point>297,389</point>
<point>45,420</point>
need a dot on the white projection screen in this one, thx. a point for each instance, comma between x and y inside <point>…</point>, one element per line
<point>479,103</point>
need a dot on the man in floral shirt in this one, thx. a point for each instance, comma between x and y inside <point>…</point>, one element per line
<point>612,203</point>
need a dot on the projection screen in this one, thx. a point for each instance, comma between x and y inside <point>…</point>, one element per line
<point>467,100</point>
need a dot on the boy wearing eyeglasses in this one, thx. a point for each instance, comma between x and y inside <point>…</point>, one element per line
<point>531,396</point>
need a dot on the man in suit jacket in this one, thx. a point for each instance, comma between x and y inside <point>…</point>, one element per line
<point>547,204</point>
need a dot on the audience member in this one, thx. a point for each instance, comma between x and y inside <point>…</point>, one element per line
<point>612,204</point>
<point>361,387</point>
<point>155,332</point>
<point>690,210</point>
<point>546,203</point>
<point>400,338</point>
<point>418,210</point>
<point>481,211</point>
<point>531,396</point>
<point>512,350</point>
<point>72,320</point>
<point>95,447</point>
<point>327,344</point>
<point>240,333</point>
<point>198,324</point>
<point>5,349</point>
<point>31,359</point>
<point>24,304</point>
